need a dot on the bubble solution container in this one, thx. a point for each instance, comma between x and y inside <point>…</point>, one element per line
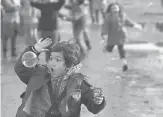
<point>30,59</point>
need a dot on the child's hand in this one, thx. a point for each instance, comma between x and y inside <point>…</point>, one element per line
<point>98,96</point>
<point>138,26</point>
<point>41,45</point>
<point>99,100</point>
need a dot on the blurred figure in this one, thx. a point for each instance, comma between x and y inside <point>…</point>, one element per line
<point>77,17</point>
<point>114,28</point>
<point>96,8</point>
<point>162,3</point>
<point>29,18</point>
<point>159,26</point>
<point>48,22</point>
<point>10,25</point>
<point>2,12</point>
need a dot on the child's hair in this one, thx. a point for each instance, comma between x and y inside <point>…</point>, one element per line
<point>70,51</point>
<point>112,4</point>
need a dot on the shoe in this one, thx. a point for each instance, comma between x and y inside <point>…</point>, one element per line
<point>125,67</point>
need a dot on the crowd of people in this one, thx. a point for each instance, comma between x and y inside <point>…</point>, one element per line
<point>40,19</point>
<point>57,89</point>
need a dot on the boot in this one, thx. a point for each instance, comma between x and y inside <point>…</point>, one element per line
<point>125,67</point>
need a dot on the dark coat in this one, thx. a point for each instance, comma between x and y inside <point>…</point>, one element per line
<point>49,14</point>
<point>37,77</point>
<point>114,27</point>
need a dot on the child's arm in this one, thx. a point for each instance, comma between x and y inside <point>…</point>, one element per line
<point>130,23</point>
<point>88,99</point>
<point>23,72</point>
<point>57,5</point>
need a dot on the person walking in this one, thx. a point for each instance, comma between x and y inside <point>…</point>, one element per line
<point>29,18</point>
<point>48,21</point>
<point>78,19</point>
<point>10,26</point>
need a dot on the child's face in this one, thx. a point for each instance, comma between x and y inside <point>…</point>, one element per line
<point>115,8</point>
<point>56,64</point>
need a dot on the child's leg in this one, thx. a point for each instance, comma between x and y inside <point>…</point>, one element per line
<point>76,33</point>
<point>103,14</point>
<point>110,48</point>
<point>33,36</point>
<point>28,36</point>
<point>55,37</point>
<point>97,15</point>
<point>4,45</point>
<point>86,38</point>
<point>13,41</point>
<point>123,56</point>
<point>121,51</point>
<point>91,11</point>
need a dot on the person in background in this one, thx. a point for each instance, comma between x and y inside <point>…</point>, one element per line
<point>48,21</point>
<point>10,26</point>
<point>77,17</point>
<point>97,7</point>
<point>162,3</point>
<point>2,12</point>
<point>29,18</point>
<point>114,30</point>
<point>91,11</point>
<point>56,89</point>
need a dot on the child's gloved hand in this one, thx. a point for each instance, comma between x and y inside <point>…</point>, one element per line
<point>41,45</point>
<point>98,96</point>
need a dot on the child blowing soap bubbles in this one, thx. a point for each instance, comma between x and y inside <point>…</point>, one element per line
<point>56,89</point>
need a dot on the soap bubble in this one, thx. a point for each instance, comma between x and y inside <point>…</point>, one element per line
<point>150,4</point>
<point>29,59</point>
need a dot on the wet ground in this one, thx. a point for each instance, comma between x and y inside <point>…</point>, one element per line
<point>135,93</point>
